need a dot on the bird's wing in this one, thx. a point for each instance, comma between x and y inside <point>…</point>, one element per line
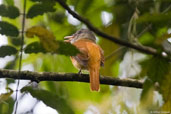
<point>83,56</point>
<point>102,57</point>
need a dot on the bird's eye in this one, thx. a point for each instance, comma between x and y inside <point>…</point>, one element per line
<point>79,32</point>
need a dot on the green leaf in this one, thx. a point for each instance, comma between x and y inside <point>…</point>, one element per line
<point>67,49</point>
<point>34,47</point>
<point>11,64</point>
<point>64,48</point>
<point>16,41</point>
<point>146,39</point>
<point>40,9</point>
<point>9,11</point>
<point>166,93</point>
<point>5,96</point>
<point>147,86</point>
<point>50,99</point>
<point>155,18</point>
<point>7,106</point>
<point>157,69</point>
<point>42,0</point>
<point>9,2</point>
<point>48,42</point>
<point>7,51</point>
<point>8,29</point>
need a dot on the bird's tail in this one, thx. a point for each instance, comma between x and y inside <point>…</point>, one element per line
<point>94,79</point>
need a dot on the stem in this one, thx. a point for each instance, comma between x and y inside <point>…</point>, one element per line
<point>21,55</point>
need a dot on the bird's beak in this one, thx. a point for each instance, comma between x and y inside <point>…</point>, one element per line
<point>68,38</point>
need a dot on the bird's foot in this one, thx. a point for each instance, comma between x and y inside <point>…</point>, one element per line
<point>79,72</point>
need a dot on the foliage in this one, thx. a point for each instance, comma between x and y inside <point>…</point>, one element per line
<point>144,22</point>
<point>9,11</point>
<point>6,102</point>
<point>48,43</point>
<point>8,29</point>
<point>55,101</point>
<point>7,50</point>
<point>40,8</point>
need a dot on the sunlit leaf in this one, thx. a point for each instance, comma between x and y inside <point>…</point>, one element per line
<point>7,51</point>
<point>8,29</point>
<point>5,96</point>
<point>40,9</point>
<point>157,72</point>
<point>49,43</point>
<point>148,84</point>
<point>146,39</point>
<point>9,2</point>
<point>42,0</point>
<point>50,99</point>
<point>47,39</point>
<point>158,68</point>
<point>166,92</point>
<point>7,106</point>
<point>148,17</point>
<point>39,31</point>
<point>9,11</point>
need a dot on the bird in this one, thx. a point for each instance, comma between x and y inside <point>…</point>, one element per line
<point>91,55</point>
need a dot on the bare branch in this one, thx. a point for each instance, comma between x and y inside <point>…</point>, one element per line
<point>143,49</point>
<point>49,76</point>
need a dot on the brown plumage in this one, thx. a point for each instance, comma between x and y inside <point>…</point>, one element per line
<point>91,56</point>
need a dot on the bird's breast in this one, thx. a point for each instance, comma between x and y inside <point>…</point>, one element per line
<point>79,64</point>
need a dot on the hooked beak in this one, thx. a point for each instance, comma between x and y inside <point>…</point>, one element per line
<point>68,38</point>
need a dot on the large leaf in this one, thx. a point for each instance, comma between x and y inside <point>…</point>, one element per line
<point>8,29</point>
<point>49,43</point>
<point>7,51</point>
<point>67,49</point>
<point>34,47</point>
<point>5,96</point>
<point>40,9</point>
<point>157,70</point>
<point>165,89</point>
<point>9,11</point>
<point>50,99</point>
<point>64,48</point>
<point>9,2</point>
<point>43,1</point>
<point>16,41</point>
<point>6,102</point>
<point>156,17</point>
<point>7,106</point>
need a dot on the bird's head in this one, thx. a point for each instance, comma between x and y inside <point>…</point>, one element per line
<point>81,34</point>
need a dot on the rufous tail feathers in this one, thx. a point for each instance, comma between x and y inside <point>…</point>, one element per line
<point>94,79</point>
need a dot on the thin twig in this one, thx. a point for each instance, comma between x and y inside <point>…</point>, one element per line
<point>21,55</point>
<point>49,76</point>
<point>113,53</point>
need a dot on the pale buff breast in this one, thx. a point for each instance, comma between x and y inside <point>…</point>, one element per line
<point>79,64</point>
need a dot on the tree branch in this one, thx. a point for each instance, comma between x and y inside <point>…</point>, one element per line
<point>143,49</point>
<point>49,76</point>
